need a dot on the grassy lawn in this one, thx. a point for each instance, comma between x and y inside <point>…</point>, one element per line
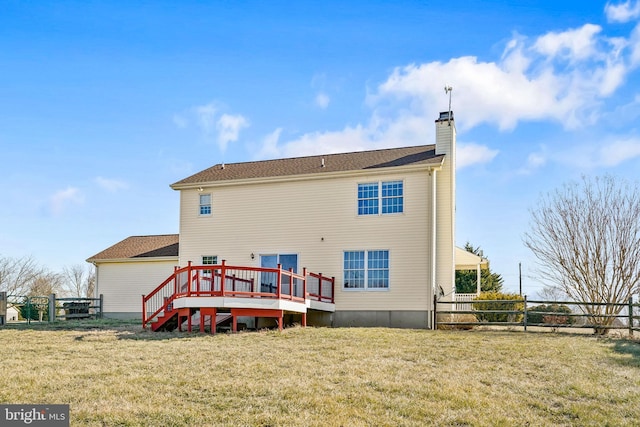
<point>121,375</point>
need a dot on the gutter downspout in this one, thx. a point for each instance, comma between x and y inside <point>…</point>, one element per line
<point>433,243</point>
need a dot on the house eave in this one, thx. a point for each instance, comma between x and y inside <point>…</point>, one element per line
<point>133,259</point>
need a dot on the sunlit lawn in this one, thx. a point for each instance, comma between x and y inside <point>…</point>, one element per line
<point>122,375</point>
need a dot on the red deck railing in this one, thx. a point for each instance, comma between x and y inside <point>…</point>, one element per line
<point>236,281</point>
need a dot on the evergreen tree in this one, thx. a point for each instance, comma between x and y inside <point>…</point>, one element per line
<point>466,280</point>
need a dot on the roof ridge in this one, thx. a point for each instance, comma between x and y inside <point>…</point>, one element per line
<point>322,155</point>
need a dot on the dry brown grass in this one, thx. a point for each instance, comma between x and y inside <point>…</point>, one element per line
<point>126,376</point>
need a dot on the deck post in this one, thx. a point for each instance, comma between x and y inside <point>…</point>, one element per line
<point>175,279</point>
<point>189,278</point>
<point>333,289</point>
<point>320,287</point>
<point>281,320</point>
<point>234,323</point>
<point>304,283</point>
<point>291,284</point>
<point>304,320</point>
<point>223,276</point>
<point>278,281</point>
<point>144,313</point>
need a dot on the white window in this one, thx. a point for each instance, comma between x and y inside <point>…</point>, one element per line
<point>366,270</point>
<point>386,197</point>
<point>205,204</point>
<point>209,260</point>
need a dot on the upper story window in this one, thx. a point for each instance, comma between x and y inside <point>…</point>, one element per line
<point>392,197</point>
<point>376,197</point>
<point>205,204</point>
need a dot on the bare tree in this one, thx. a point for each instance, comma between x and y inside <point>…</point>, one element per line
<point>79,281</point>
<point>18,274</point>
<point>45,283</point>
<point>552,292</point>
<point>586,237</point>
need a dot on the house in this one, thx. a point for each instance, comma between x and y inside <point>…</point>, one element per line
<point>13,313</point>
<point>381,223</point>
<point>130,268</point>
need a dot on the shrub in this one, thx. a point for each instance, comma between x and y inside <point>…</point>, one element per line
<point>557,314</point>
<point>499,301</point>
<point>462,318</point>
<point>30,310</point>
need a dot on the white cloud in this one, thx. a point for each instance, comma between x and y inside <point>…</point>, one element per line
<point>322,100</point>
<point>229,127</point>
<point>601,154</point>
<point>269,146</point>
<point>470,154</point>
<point>634,42</point>
<point>206,115</point>
<point>111,185</point>
<point>575,45</point>
<point>213,123</point>
<point>560,76</point>
<point>61,199</point>
<point>618,152</point>
<point>622,12</point>
<point>534,161</point>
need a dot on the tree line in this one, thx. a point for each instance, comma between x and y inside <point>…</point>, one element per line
<point>25,277</point>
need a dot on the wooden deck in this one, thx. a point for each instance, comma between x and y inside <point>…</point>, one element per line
<point>211,290</point>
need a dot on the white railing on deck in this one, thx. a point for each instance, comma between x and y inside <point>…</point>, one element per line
<point>462,298</point>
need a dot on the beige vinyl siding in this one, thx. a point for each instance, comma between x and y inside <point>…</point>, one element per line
<point>123,283</point>
<point>318,220</point>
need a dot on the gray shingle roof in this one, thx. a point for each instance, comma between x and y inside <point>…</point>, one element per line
<point>164,245</point>
<point>361,160</point>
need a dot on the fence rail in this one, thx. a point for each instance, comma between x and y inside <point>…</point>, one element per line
<point>526,313</point>
<point>49,308</point>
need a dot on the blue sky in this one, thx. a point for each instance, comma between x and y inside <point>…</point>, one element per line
<point>104,104</point>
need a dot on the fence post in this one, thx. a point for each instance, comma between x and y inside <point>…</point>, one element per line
<point>102,305</point>
<point>631,316</point>
<point>52,307</point>
<point>3,308</point>
<point>524,318</point>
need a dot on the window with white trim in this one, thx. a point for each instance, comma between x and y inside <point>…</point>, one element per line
<point>366,270</point>
<point>205,204</point>
<point>209,260</point>
<point>386,197</point>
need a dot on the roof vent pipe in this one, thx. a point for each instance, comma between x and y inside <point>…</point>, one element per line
<point>323,162</point>
<point>223,166</point>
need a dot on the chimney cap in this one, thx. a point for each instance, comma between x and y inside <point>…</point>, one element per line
<point>444,116</point>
